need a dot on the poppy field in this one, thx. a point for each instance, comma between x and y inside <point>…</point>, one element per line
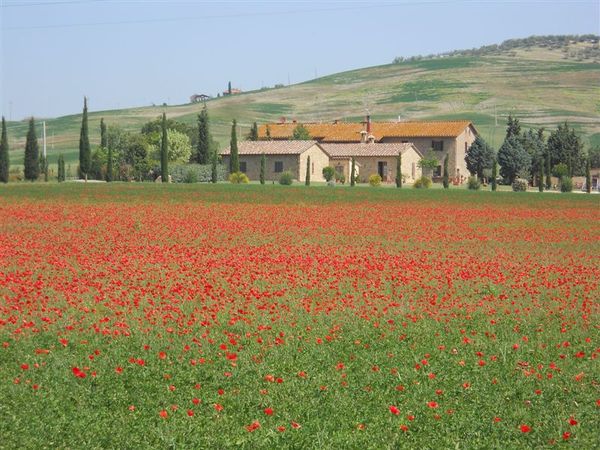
<point>135,316</point>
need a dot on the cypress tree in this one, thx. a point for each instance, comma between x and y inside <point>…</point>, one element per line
<point>44,166</point>
<point>109,165</point>
<point>213,167</point>
<point>541,176</point>
<point>352,170</point>
<point>203,156</point>
<point>548,171</point>
<point>31,162</point>
<point>4,160</point>
<point>446,178</point>
<point>164,151</point>
<point>234,162</point>
<point>494,174</point>
<point>253,132</point>
<point>588,176</point>
<point>61,168</point>
<point>84,144</point>
<point>399,170</point>
<point>263,168</point>
<point>103,141</point>
<point>307,180</point>
<point>268,133</point>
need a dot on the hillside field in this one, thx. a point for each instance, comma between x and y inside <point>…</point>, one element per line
<point>142,315</point>
<point>538,85</point>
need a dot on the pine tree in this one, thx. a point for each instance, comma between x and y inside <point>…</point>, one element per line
<point>263,168</point>
<point>253,136</point>
<point>513,127</point>
<point>204,153</point>
<point>446,178</point>
<point>234,162</point>
<point>84,144</point>
<point>31,162</point>
<point>588,176</point>
<point>61,168</point>
<point>229,88</point>
<point>352,172</point>
<point>541,175</point>
<point>164,152</point>
<point>513,159</point>
<point>307,179</point>
<point>268,133</point>
<point>4,160</point>
<point>399,170</point>
<point>103,140</point>
<point>109,165</point>
<point>494,174</point>
<point>44,166</point>
<point>213,167</point>
<point>479,156</point>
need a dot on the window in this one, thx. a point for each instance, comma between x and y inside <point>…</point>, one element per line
<point>405,142</point>
<point>437,146</point>
<point>243,166</point>
<point>466,147</point>
<point>278,166</point>
<point>414,170</point>
<point>312,170</point>
<point>438,171</point>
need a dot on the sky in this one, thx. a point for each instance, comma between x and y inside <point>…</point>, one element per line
<point>128,53</point>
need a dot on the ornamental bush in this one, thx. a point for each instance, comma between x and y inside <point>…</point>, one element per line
<point>328,173</point>
<point>286,178</point>
<point>473,183</point>
<point>520,185</point>
<point>566,184</point>
<point>238,178</point>
<point>422,183</point>
<point>182,173</point>
<point>375,180</point>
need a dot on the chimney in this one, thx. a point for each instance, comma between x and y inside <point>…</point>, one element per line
<point>368,124</point>
<point>370,139</point>
<point>363,137</point>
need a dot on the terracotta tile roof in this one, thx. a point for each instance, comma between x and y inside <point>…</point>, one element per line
<point>271,147</point>
<point>358,149</point>
<point>350,132</point>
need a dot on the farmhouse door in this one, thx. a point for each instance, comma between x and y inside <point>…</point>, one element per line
<point>382,169</point>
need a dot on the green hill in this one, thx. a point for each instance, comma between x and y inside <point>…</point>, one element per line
<point>541,84</point>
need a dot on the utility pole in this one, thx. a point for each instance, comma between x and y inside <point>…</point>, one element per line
<point>44,134</point>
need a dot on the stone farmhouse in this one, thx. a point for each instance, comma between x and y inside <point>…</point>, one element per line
<point>289,155</point>
<point>436,138</point>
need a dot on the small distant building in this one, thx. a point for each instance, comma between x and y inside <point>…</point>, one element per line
<point>234,91</point>
<point>197,98</point>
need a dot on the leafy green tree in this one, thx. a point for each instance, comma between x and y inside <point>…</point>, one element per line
<point>44,166</point>
<point>328,173</point>
<point>307,180</point>
<point>533,143</point>
<point>513,127</point>
<point>428,163</point>
<point>560,170</point>
<point>263,168</point>
<point>137,154</point>
<point>300,133</point>
<point>234,161</point>
<point>103,142</point>
<point>588,176</point>
<point>204,138</point>
<point>353,172</point>
<point>164,152</point>
<point>4,158</point>
<point>446,179</point>
<point>179,147</point>
<point>594,156</point>
<point>109,165</point>
<point>85,153</point>
<point>513,159</point>
<point>564,146</point>
<point>479,156</point>
<point>253,136</point>
<point>61,168</point>
<point>540,174</point>
<point>31,161</point>
<point>494,174</point>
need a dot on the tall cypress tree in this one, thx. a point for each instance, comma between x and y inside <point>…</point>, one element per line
<point>541,175</point>
<point>446,176</point>
<point>84,143</point>
<point>234,161</point>
<point>307,178</point>
<point>213,167</point>
<point>44,166</point>
<point>253,136</point>
<point>263,168</point>
<point>494,174</point>
<point>31,161</point>
<point>203,155</point>
<point>352,170</point>
<point>399,170</point>
<point>61,168</point>
<point>103,139</point>
<point>548,171</point>
<point>588,176</point>
<point>164,151</point>
<point>4,160</point>
<point>109,165</point>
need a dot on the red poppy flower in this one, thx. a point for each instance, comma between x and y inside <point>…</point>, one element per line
<point>394,410</point>
<point>525,428</point>
<point>164,414</point>
<point>432,404</point>
<point>269,411</point>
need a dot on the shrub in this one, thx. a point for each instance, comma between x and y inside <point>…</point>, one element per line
<point>473,183</point>
<point>328,173</point>
<point>190,176</point>
<point>331,183</point>
<point>422,183</point>
<point>238,178</point>
<point>340,177</point>
<point>375,180</point>
<point>202,173</point>
<point>520,185</point>
<point>566,184</point>
<point>286,178</point>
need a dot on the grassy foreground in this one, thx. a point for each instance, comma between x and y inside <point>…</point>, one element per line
<point>196,316</point>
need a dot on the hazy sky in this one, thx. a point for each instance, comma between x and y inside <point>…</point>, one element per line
<point>123,53</point>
